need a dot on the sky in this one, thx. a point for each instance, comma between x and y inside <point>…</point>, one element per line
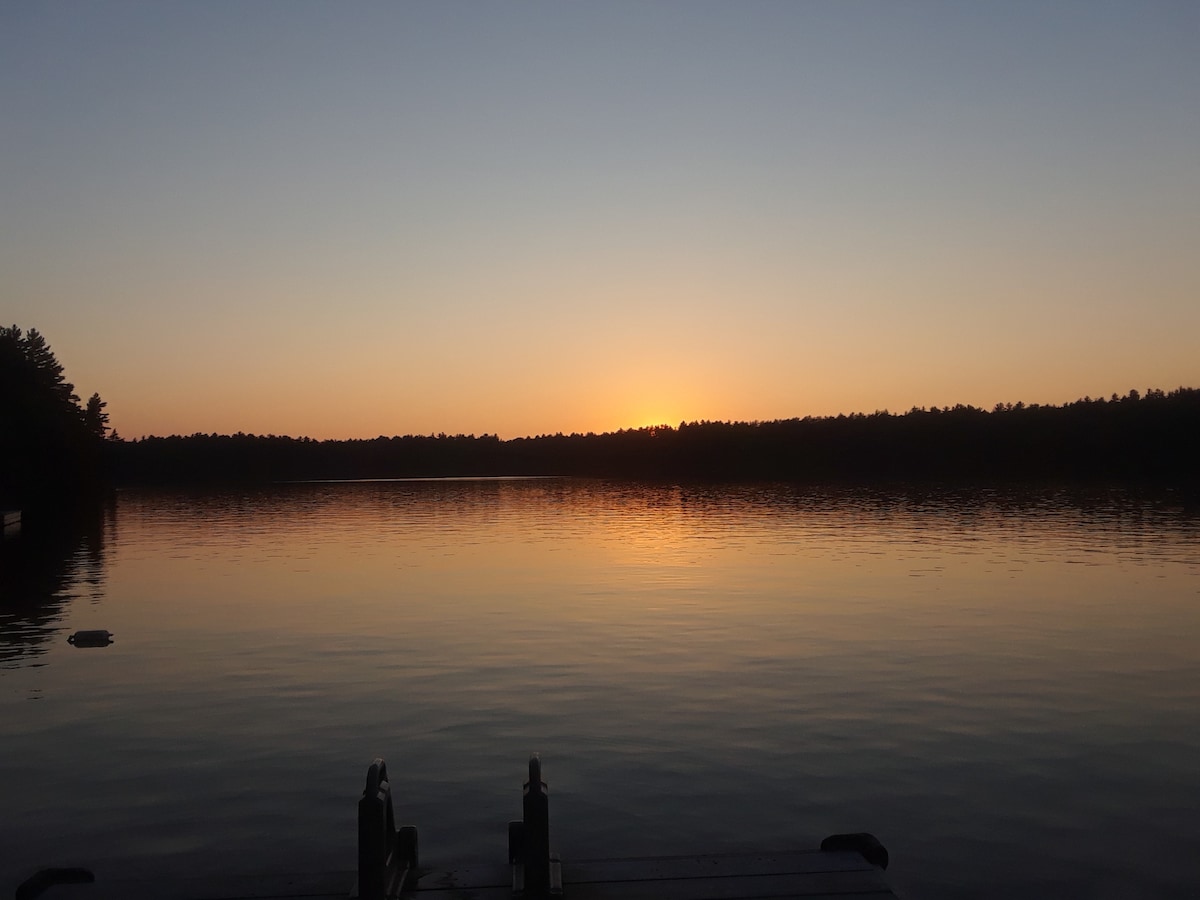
<point>351,219</point>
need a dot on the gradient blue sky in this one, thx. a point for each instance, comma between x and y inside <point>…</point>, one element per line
<point>345,220</point>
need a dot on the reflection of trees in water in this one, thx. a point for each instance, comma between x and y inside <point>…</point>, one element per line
<point>52,562</point>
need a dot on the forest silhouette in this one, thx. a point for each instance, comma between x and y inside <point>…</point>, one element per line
<point>1153,437</point>
<point>50,445</point>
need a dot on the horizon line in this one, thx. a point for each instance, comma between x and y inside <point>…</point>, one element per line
<point>1133,395</point>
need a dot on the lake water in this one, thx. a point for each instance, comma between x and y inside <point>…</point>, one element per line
<point>1004,688</point>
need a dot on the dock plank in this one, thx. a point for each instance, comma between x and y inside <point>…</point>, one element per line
<point>714,865</point>
<point>294,886</point>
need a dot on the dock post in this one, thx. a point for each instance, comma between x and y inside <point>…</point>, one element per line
<point>387,856</point>
<point>537,873</point>
<point>535,809</point>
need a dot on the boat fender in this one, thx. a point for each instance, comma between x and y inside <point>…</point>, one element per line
<point>97,638</point>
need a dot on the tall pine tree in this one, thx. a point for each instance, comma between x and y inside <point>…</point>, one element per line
<point>50,448</point>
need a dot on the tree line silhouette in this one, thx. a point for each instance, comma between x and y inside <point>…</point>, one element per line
<point>50,445</point>
<point>1135,438</point>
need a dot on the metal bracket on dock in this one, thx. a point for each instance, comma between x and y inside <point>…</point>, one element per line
<point>536,872</point>
<point>861,842</point>
<point>38,883</point>
<point>387,856</point>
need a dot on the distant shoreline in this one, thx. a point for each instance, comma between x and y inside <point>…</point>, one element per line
<point>1133,439</point>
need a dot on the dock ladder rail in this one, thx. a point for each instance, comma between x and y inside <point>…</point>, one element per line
<point>387,855</point>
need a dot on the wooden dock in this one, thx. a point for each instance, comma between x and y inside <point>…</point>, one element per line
<point>389,869</point>
<point>812,875</point>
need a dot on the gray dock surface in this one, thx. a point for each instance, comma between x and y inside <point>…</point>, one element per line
<point>812,875</point>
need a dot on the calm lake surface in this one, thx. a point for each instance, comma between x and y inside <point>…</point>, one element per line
<point>1004,688</point>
